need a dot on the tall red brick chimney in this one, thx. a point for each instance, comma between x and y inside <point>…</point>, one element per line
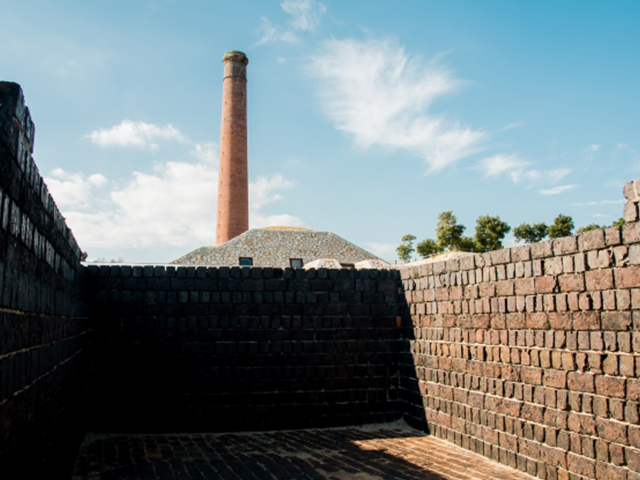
<point>233,182</point>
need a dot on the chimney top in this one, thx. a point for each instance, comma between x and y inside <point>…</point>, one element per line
<point>235,56</point>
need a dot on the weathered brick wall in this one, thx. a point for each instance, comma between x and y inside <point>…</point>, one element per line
<point>225,349</point>
<point>43,325</point>
<point>529,355</point>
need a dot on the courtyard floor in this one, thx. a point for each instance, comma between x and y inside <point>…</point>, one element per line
<point>372,452</point>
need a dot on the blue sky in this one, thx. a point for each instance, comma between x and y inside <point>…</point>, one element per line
<point>366,118</point>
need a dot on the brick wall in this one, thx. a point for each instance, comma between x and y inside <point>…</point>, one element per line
<point>529,355</point>
<point>43,325</point>
<point>224,349</point>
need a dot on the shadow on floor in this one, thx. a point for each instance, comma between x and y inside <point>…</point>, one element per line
<point>375,452</point>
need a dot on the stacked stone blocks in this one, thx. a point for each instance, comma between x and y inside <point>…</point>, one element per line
<point>43,324</point>
<point>529,355</point>
<point>227,349</point>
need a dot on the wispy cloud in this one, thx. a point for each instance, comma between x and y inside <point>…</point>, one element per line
<point>135,134</point>
<point>511,126</point>
<point>558,190</point>
<point>377,93</point>
<point>626,148</point>
<point>516,169</point>
<point>501,163</point>
<point>174,204</point>
<point>272,34</point>
<point>593,148</point>
<point>306,15</point>
<point>601,202</point>
<point>265,190</point>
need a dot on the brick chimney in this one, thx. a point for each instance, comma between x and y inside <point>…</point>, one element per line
<point>233,182</point>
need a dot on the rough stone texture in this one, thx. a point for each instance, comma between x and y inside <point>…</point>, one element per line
<point>533,362</point>
<point>276,246</point>
<point>43,324</point>
<point>529,356</point>
<point>221,349</point>
<point>374,452</point>
<point>233,177</point>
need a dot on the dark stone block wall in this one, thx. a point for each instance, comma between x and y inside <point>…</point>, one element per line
<point>227,349</point>
<point>43,323</point>
<point>530,355</point>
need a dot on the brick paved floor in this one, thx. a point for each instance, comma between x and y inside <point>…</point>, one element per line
<point>373,452</point>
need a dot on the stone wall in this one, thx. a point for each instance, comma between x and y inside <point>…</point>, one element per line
<point>529,355</point>
<point>227,349</point>
<point>43,324</point>
<point>275,247</point>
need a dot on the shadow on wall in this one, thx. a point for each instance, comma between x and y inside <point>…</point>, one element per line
<point>247,348</point>
<point>408,359</point>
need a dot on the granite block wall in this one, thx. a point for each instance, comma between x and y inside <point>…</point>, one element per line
<point>227,349</point>
<point>43,323</point>
<point>529,355</point>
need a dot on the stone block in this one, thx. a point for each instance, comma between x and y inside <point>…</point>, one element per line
<point>564,245</point>
<point>630,212</point>
<point>571,282</point>
<point>631,233</point>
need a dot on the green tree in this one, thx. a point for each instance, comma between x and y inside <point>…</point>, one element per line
<point>449,231</point>
<point>427,247</point>
<point>530,233</point>
<point>618,223</point>
<point>489,232</point>
<point>586,228</point>
<point>562,227</point>
<point>467,244</point>
<point>406,248</point>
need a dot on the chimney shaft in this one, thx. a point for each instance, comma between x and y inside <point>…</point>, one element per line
<point>233,181</point>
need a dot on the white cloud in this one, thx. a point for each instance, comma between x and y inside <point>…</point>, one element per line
<point>272,34</point>
<point>601,215</point>
<point>515,167</point>
<point>73,190</point>
<point>499,164</point>
<point>536,177</point>
<point>135,134</point>
<point>307,14</point>
<point>374,91</point>
<point>175,204</point>
<point>593,148</point>
<point>557,190</point>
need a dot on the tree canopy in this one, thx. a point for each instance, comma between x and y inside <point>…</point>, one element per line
<point>405,249</point>
<point>449,231</point>
<point>490,231</point>
<point>489,234</point>
<point>530,233</point>
<point>428,247</point>
<point>562,226</point>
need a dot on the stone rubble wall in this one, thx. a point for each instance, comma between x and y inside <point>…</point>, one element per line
<point>275,248</point>
<point>530,355</point>
<point>43,320</point>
